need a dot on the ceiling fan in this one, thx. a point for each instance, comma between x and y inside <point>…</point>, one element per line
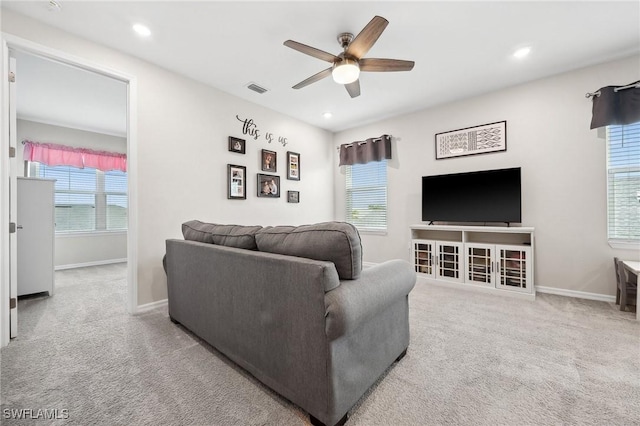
<point>346,66</point>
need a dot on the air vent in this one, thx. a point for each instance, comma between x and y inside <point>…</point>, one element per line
<point>256,88</point>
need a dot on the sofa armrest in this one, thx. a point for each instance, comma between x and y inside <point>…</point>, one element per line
<point>356,301</point>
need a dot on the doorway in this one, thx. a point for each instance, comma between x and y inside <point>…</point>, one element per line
<point>29,52</point>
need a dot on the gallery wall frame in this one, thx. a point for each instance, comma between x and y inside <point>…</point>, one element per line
<point>269,161</point>
<point>293,165</point>
<point>293,196</point>
<point>237,145</point>
<point>483,139</point>
<point>268,186</point>
<point>236,182</point>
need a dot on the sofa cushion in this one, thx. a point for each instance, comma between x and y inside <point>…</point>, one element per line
<point>337,242</point>
<point>225,235</point>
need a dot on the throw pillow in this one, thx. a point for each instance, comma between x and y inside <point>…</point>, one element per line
<point>225,235</point>
<point>337,242</point>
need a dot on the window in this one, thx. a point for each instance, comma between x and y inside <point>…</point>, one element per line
<point>623,182</point>
<point>367,195</point>
<point>86,199</point>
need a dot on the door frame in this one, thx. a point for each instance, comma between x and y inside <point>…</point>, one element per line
<point>17,43</point>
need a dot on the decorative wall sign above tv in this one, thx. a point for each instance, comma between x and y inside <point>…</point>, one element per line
<point>490,137</point>
<point>269,161</point>
<point>237,145</point>
<point>293,165</point>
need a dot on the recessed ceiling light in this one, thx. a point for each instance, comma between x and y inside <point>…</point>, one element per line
<point>327,114</point>
<point>142,30</point>
<point>522,52</point>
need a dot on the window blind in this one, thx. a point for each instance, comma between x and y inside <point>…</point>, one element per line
<point>115,188</point>
<point>366,194</point>
<point>623,182</point>
<point>86,199</point>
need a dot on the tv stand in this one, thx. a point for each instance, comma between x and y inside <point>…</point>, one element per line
<point>489,258</point>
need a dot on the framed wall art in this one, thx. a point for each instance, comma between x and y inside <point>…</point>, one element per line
<point>268,186</point>
<point>482,139</point>
<point>293,165</point>
<point>236,182</point>
<point>293,196</point>
<point>269,161</point>
<point>237,145</point>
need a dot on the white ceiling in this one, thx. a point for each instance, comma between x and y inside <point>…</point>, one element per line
<point>461,49</point>
<point>55,93</point>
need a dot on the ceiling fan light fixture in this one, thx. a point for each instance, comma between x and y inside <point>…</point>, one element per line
<point>345,72</point>
<point>346,66</point>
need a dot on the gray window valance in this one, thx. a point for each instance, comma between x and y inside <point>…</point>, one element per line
<point>362,152</point>
<point>611,106</point>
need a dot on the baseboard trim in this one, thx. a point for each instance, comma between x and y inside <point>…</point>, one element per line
<point>149,306</point>
<point>478,288</point>
<point>84,265</point>
<point>576,294</point>
<point>537,289</point>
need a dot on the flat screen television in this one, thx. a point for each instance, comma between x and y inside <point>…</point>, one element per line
<point>482,196</point>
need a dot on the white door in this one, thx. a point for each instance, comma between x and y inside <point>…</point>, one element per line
<point>13,204</point>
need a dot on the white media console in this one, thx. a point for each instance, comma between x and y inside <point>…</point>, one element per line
<point>490,258</point>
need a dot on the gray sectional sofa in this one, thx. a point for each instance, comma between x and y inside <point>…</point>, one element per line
<point>294,307</point>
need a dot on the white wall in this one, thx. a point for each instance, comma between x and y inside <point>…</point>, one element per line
<point>563,171</point>
<point>90,249</point>
<point>183,128</point>
<point>77,250</point>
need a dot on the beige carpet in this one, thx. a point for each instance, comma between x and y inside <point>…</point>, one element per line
<point>474,359</point>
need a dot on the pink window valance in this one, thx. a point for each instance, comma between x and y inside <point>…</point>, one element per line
<point>61,155</point>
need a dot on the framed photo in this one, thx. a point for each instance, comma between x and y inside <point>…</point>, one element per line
<point>268,186</point>
<point>293,196</point>
<point>236,182</point>
<point>237,145</point>
<point>490,137</point>
<point>293,165</point>
<point>269,161</point>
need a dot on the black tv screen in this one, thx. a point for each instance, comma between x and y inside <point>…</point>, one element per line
<point>483,196</point>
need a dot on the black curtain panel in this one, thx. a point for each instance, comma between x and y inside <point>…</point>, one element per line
<point>616,107</point>
<point>373,149</point>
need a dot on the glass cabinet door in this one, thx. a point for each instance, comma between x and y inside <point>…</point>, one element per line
<point>513,267</point>
<point>449,261</point>
<point>480,258</point>
<point>423,256</point>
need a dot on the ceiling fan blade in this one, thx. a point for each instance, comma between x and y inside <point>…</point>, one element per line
<point>385,65</point>
<point>353,88</point>
<point>311,51</point>
<point>367,37</point>
<point>319,76</point>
